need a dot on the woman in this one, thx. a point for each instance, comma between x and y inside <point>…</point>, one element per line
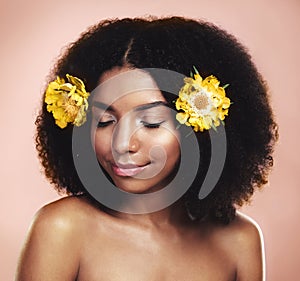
<point>113,84</point>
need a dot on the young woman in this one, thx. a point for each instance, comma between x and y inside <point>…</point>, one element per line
<point>171,216</point>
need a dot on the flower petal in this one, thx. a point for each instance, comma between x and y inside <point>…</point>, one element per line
<point>206,112</point>
<point>182,117</point>
<point>67,101</point>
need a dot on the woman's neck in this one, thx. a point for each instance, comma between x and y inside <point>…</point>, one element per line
<point>173,216</point>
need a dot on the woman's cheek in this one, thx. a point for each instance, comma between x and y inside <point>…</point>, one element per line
<point>102,144</point>
<point>165,146</point>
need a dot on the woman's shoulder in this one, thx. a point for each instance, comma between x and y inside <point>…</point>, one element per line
<point>242,240</point>
<point>241,231</point>
<point>59,219</point>
<point>246,231</point>
<point>53,244</point>
<point>67,213</point>
<point>65,206</point>
<point>243,224</point>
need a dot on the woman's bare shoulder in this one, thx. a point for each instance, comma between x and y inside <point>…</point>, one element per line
<point>242,240</point>
<point>244,227</point>
<point>241,227</point>
<point>59,220</point>
<point>243,231</point>
<point>69,211</point>
<point>53,244</point>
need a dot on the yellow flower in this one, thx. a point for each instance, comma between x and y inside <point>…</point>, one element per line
<point>203,103</point>
<point>67,101</point>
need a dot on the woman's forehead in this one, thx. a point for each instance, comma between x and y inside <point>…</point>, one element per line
<point>136,102</point>
<point>131,86</point>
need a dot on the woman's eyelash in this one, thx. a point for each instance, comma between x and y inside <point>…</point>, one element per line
<point>104,124</point>
<point>145,124</point>
<point>151,125</point>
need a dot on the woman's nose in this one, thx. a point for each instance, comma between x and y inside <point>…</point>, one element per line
<point>124,137</point>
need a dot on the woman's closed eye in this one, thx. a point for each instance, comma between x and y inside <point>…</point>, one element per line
<point>105,120</point>
<point>102,124</point>
<point>145,124</point>
<point>152,125</point>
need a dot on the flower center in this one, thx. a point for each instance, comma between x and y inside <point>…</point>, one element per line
<point>71,109</point>
<point>201,101</point>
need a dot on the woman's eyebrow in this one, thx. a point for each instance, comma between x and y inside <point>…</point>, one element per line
<point>150,105</point>
<point>103,106</point>
<point>138,108</point>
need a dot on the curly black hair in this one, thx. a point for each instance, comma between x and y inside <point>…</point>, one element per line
<point>177,44</point>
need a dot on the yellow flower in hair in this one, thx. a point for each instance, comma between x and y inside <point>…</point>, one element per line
<point>202,102</point>
<point>67,101</point>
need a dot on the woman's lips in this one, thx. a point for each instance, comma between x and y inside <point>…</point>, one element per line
<point>127,170</point>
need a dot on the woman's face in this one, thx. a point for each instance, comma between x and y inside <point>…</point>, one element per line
<point>134,133</point>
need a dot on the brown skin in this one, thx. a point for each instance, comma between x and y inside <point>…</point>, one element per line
<point>127,138</point>
<point>76,239</point>
<point>73,239</point>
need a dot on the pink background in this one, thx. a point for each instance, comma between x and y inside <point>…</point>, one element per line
<point>33,32</point>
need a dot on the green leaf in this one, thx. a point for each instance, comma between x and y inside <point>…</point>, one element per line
<point>195,69</point>
<point>214,127</point>
<point>225,86</point>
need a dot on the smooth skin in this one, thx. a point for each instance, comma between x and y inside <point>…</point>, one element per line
<point>72,239</point>
<point>76,238</point>
<point>131,124</point>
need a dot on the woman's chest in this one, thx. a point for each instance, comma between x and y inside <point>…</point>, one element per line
<point>147,260</point>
